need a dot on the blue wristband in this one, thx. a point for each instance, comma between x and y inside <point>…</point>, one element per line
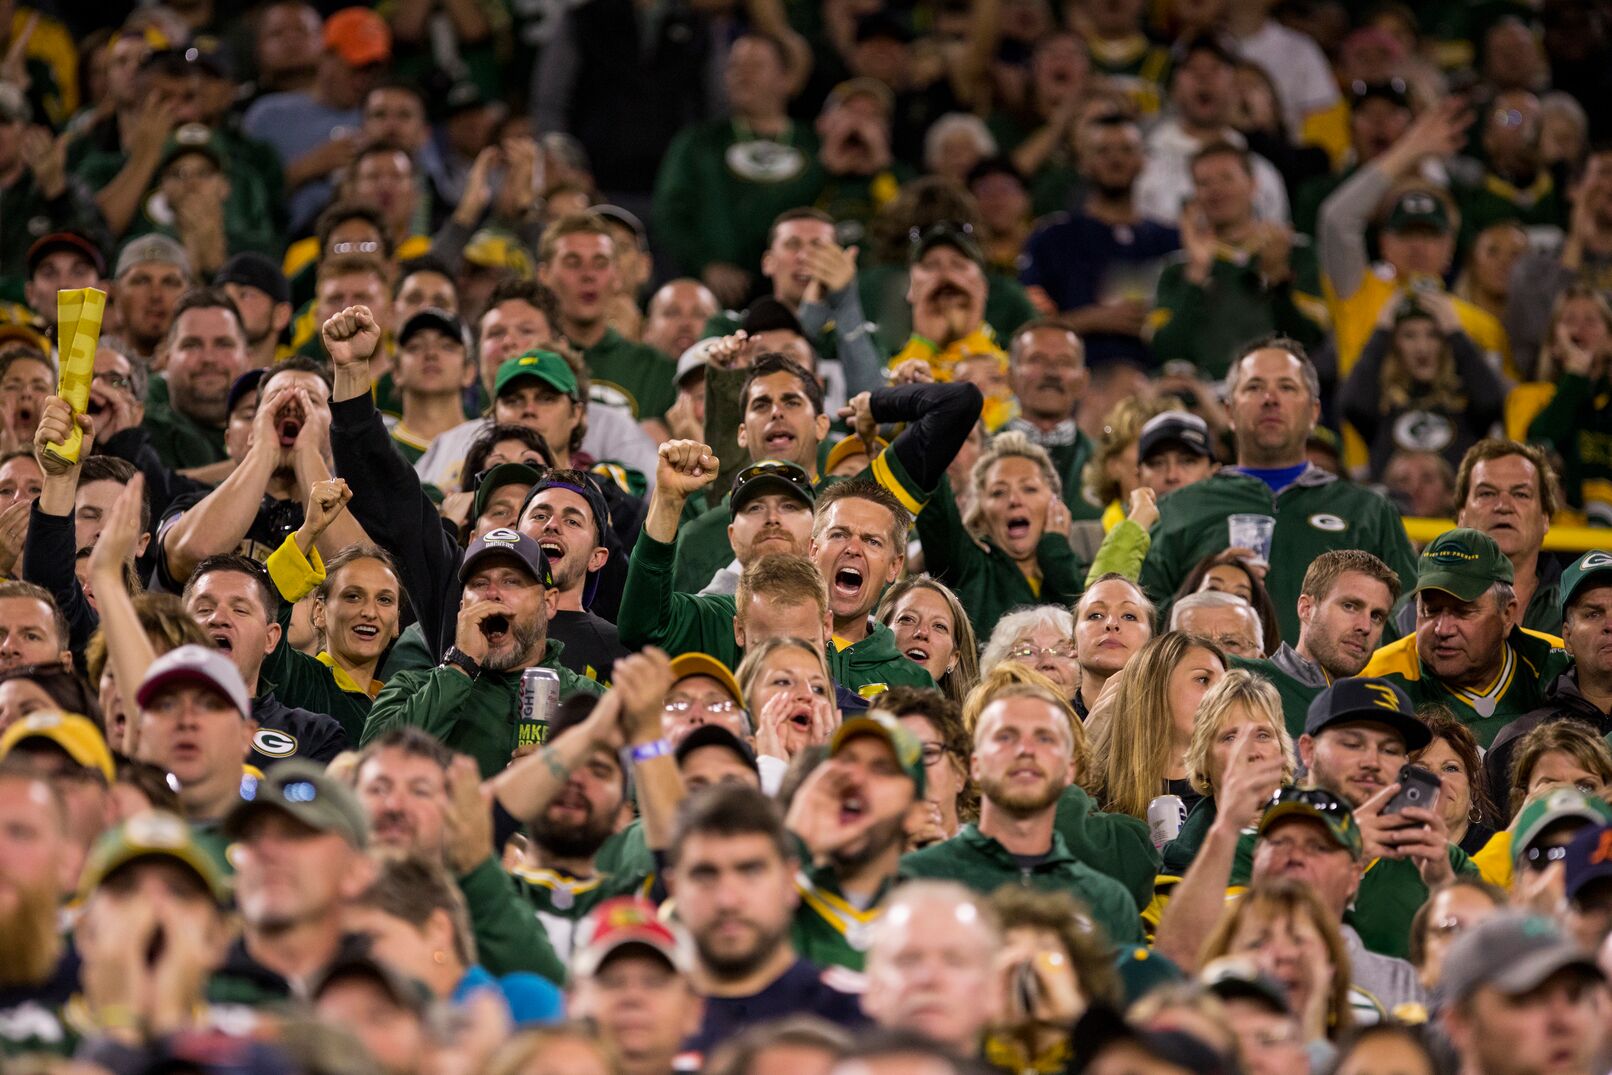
<point>650,751</point>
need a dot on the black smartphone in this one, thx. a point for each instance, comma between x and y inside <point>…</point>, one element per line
<point>1417,787</point>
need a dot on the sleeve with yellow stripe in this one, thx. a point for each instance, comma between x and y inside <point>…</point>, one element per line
<point>887,470</point>
<point>295,575</point>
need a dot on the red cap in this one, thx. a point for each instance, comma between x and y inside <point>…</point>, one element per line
<point>622,921</point>
<point>359,36</point>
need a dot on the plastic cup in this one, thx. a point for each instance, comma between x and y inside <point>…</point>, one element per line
<point>1252,532</point>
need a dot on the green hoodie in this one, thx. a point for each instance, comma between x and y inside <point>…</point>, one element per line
<point>654,614</point>
<point>1117,845</point>
<point>471,716</point>
<point>1316,514</point>
<point>978,861</point>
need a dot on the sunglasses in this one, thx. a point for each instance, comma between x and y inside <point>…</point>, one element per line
<point>789,472</point>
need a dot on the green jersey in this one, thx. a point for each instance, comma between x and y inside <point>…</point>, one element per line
<point>634,376</point>
<point>829,930</point>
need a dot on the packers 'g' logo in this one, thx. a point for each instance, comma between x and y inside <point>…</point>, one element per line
<point>1382,696</point>
<point>1595,560</point>
<point>273,743</point>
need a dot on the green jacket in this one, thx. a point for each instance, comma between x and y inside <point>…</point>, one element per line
<point>1116,845</point>
<point>180,441</point>
<point>978,861</point>
<point>654,614</point>
<point>631,375</point>
<point>1178,854</point>
<point>509,937</point>
<point>1316,514</point>
<point>1390,893</point>
<point>471,716</point>
<point>1577,425</point>
<point>1206,324</point>
<point>987,580</point>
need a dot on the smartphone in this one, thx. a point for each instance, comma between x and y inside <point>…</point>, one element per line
<point>1417,787</point>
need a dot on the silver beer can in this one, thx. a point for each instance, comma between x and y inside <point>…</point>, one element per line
<point>1165,815</point>
<point>539,701</point>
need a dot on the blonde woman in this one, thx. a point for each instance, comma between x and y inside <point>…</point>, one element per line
<point>1141,733</point>
<point>1111,475</point>
<point>1013,546</point>
<point>932,629</point>
<point>1114,844</point>
<point>789,692</point>
<point>1240,716</point>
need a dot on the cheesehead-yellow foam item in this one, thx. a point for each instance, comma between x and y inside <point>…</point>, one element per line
<point>78,333</point>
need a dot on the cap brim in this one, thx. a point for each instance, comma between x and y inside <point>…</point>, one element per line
<point>182,674</point>
<point>1282,811</point>
<point>473,563</point>
<point>1413,731</point>
<point>763,484</point>
<point>1532,970</point>
<point>703,664</point>
<point>1602,573</point>
<point>1172,441</point>
<point>1522,841</point>
<point>1461,587</point>
<point>501,475</point>
<point>590,959</point>
<point>860,726</point>
<point>563,389</point>
<point>193,859</point>
<point>715,735</point>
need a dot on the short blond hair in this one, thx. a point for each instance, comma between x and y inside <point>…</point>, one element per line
<point>1010,679</point>
<point>1009,445</point>
<point>1239,687</point>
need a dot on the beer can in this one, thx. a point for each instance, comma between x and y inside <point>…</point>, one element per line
<point>539,701</point>
<point>1165,815</point>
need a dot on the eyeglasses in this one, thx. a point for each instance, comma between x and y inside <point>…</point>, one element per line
<point>718,709</point>
<point>116,380</point>
<point>1392,87</point>
<point>933,752</point>
<point>1539,859</point>
<point>1024,651</point>
<point>367,246</point>
<point>1509,117</point>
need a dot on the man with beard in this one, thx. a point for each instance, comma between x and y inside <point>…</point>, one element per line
<point>851,815</point>
<point>771,507</point>
<point>731,869</point>
<point>1023,758</point>
<point>38,973</point>
<point>947,289</point>
<point>1275,401</point>
<point>186,408</point>
<point>567,516</point>
<point>469,700</point>
<point>1088,265</point>
<point>1343,606</point>
<point>1047,373</point>
<point>252,511</point>
<point>1469,652</point>
<point>152,273</point>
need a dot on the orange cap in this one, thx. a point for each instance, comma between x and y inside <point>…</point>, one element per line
<point>359,36</point>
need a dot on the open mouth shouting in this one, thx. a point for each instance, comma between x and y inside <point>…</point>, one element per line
<point>288,423</point>
<point>223,641</point>
<point>917,652</point>
<point>852,806</point>
<point>496,628</point>
<point>848,583</point>
<point>778,439</point>
<point>553,550</point>
<point>1018,528</point>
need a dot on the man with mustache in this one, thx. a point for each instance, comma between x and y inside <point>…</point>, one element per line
<point>1343,605</point>
<point>1024,754</point>
<point>204,351</point>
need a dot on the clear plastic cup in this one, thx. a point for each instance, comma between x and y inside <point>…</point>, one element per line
<point>1252,532</point>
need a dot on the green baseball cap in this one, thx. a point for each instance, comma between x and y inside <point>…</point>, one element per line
<point>1418,209</point>
<point>501,475</point>
<point>546,366</point>
<point>908,750</point>
<point>1586,567</point>
<point>1562,804</point>
<point>306,792</point>
<point>1462,562</point>
<point>149,835</point>
<point>1321,805</point>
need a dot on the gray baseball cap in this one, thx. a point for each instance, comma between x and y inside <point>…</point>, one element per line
<point>1512,952</point>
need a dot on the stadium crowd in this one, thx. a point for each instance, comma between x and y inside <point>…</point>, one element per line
<point>872,537</point>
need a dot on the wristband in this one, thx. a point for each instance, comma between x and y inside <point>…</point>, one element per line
<point>650,751</point>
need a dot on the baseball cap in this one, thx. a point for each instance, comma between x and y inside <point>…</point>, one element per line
<point>406,993</point>
<point>1511,951</point>
<point>1580,571</point>
<point>246,382</point>
<point>1589,858</point>
<point>1418,209</point>
<point>1561,804</point>
<point>196,664</point>
<point>359,36</point>
<point>546,366</point>
<point>78,736</point>
<point>1142,969</point>
<point>72,241</point>
<point>997,165</point>
<point>309,794</point>
<point>1174,428</point>
<point>1102,1028</point>
<point>506,542</point>
<point>148,835</point>
<point>772,476</point>
<point>617,215</point>
<point>696,356</point>
<point>493,248</point>
<point>959,237</point>
<point>623,921</point>
<point>501,475</point>
<point>1321,805</point>
<point>441,320</point>
<point>849,446</point>
<point>1237,978</point>
<point>767,314</point>
<point>1392,90</point>
<point>1360,699</point>
<point>597,507</point>
<point>714,735</point>
<point>251,269</point>
<point>30,332</point>
<point>191,138</point>
<point>703,664</point>
<point>908,750</point>
<point>1462,562</point>
<point>153,248</point>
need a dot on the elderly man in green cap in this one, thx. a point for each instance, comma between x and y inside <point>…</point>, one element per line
<point>1470,652</point>
<point>1583,691</point>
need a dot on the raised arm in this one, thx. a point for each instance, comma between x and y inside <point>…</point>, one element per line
<point>128,649</point>
<point>50,549</point>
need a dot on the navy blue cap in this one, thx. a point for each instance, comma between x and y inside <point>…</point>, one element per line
<point>1361,699</point>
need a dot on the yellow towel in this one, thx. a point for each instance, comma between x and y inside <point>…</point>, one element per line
<point>78,320</point>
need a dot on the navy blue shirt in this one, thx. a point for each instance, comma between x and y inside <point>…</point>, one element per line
<point>1081,261</point>
<point>800,989</point>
